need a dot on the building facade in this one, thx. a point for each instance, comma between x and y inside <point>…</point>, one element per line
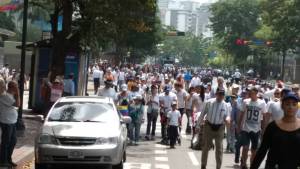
<point>186,16</point>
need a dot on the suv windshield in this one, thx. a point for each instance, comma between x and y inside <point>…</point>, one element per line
<point>83,112</point>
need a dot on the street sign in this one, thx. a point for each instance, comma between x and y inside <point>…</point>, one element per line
<point>9,5</point>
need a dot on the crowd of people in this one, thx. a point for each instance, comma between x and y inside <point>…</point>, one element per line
<point>250,112</point>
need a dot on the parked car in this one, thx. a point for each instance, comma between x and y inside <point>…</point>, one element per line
<point>82,130</point>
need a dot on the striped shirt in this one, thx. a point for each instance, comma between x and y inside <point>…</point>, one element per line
<point>215,112</point>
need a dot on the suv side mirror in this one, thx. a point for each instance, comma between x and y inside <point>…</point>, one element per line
<point>126,119</point>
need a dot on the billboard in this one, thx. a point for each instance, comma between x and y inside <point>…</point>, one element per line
<point>8,5</point>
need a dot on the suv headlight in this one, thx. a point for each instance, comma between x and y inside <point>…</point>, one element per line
<point>46,139</point>
<point>107,141</point>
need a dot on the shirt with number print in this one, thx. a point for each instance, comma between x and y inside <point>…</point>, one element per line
<point>254,111</point>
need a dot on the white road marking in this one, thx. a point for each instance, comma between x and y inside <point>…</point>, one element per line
<point>161,159</point>
<point>162,166</point>
<point>160,152</point>
<point>137,165</point>
<point>160,146</point>
<point>193,158</point>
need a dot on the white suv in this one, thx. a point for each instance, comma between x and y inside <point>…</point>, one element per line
<point>82,130</point>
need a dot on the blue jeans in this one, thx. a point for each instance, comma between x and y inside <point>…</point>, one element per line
<point>134,131</point>
<point>8,142</point>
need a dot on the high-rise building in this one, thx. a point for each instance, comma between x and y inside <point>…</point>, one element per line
<point>203,22</point>
<point>187,16</point>
<point>163,9</point>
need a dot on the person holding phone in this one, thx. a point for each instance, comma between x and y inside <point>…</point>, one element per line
<point>9,99</point>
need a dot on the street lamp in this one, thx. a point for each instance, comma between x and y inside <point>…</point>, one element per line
<point>20,123</point>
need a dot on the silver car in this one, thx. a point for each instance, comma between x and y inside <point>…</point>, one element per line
<point>82,130</point>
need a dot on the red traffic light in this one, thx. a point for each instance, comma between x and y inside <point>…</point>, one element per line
<point>269,43</point>
<point>239,42</point>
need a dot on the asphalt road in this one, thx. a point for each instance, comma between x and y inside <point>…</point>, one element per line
<point>152,155</point>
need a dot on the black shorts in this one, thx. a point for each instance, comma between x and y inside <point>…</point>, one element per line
<point>247,137</point>
<point>96,82</point>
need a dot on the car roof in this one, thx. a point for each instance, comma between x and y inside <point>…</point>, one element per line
<point>96,99</point>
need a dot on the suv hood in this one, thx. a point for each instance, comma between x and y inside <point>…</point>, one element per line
<point>82,129</point>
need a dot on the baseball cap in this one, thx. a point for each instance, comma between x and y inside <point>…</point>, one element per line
<point>220,91</point>
<point>174,103</point>
<point>291,95</point>
<point>124,87</point>
<point>138,97</point>
<point>167,88</point>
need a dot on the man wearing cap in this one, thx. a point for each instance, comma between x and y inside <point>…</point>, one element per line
<point>96,77</point>
<point>165,101</point>
<point>250,124</point>
<point>108,90</point>
<point>69,86</point>
<point>215,115</point>
<point>123,100</point>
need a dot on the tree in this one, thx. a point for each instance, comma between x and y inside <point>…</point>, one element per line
<point>283,17</point>
<point>190,49</point>
<point>6,22</point>
<point>234,19</point>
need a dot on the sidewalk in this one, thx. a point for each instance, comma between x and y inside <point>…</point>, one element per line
<point>24,150</point>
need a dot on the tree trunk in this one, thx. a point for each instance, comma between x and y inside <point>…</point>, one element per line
<point>61,45</point>
<point>283,64</point>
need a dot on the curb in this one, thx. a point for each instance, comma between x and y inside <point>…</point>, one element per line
<point>26,156</point>
<point>34,117</point>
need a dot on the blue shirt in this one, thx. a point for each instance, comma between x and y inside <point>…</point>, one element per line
<point>188,77</point>
<point>69,86</point>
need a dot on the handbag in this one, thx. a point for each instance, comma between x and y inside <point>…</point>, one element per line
<point>215,127</point>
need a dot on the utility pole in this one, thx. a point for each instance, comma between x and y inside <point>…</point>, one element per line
<point>20,123</point>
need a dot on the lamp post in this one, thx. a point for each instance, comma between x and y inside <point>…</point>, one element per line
<point>20,123</point>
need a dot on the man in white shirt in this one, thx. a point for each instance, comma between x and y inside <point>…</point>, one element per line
<point>196,81</point>
<point>165,100</point>
<point>121,78</point>
<point>181,97</point>
<point>250,124</point>
<point>96,77</point>
<point>108,91</point>
<point>237,76</point>
<point>216,112</point>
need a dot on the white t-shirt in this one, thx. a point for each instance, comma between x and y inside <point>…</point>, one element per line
<point>154,102</point>
<point>237,75</point>
<point>97,74</point>
<point>8,113</point>
<point>195,82</point>
<point>122,76</point>
<point>174,117</point>
<point>253,115</point>
<point>275,110</point>
<point>168,99</point>
<point>200,103</point>
<point>181,95</point>
<point>111,93</point>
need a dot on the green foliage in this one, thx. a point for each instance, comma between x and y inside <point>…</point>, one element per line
<point>189,49</point>
<point>283,17</point>
<point>6,22</point>
<point>233,19</point>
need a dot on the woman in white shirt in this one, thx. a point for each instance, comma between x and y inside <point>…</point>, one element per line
<point>8,120</point>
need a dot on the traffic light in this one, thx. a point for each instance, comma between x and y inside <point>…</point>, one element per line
<point>269,43</point>
<point>175,33</point>
<point>239,42</point>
